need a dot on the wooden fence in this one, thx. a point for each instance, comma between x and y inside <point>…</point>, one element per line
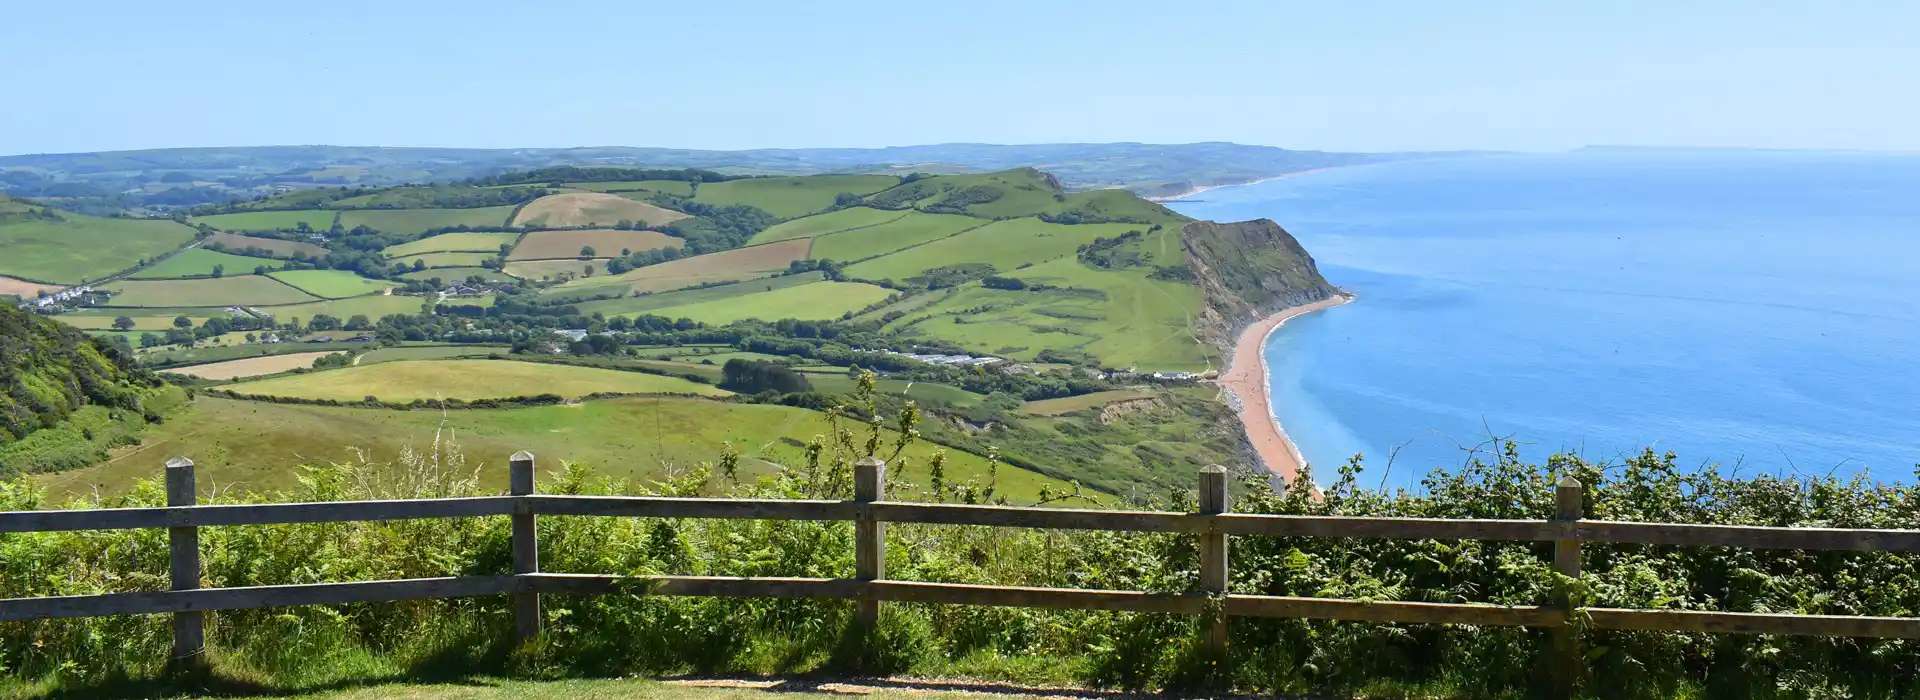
<point>1214,525</point>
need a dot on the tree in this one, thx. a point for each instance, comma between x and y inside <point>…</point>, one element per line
<point>586,251</point>
<point>323,322</point>
<point>260,269</point>
<point>182,322</point>
<point>755,376</point>
<point>419,265</point>
<point>219,270</point>
<point>845,199</point>
<point>122,323</point>
<point>359,322</point>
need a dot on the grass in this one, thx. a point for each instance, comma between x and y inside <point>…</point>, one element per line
<point>629,306</point>
<point>447,259</point>
<point>415,221</point>
<point>453,243</point>
<point>679,188</point>
<point>274,246</point>
<point>791,197</point>
<point>225,291</point>
<point>467,380</point>
<point>80,248</point>
<point>428,352</point>
<point>198,262</point>
<point>552,269</point>
<point>451,274</point>
<point>175,356</point>
<point>818,301</point>
<point>24,289</point>
<point>926,392</point>
<point>250,367</point>
<point>140,323</point>
<point>316,219</point>
<point>258,446</point>
<point>373,306</point>
<point>905,232</point>
<point>606,243</point>
<point>591,209</point>
<point>1071,404</point>
<point>724,266</point>
<point>330,284</point>
<point>822,224</point>
<point>1004,244</point>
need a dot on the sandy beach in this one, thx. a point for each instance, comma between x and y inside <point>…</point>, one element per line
<point>1245,381</point>
<point>1204,188</point>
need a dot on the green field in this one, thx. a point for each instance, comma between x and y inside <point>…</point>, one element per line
<point>468,380</point>
<point>679,188</point>
<point>429,352</point>
<point>453,243</point>
<point>1070,404</point>
<point>79,248</point>
<point>373,306</point>
<point>195,262</point>
<point>260,446</point>
<point>630,306</point>
<point>791,197</point>
<point>911,230</point>
<point>414,221</point>
<point>472,260</point>
<point>140,322</point>
<point>245,290</point>
<point>822,224</point>
<point>330,284</point>
<point>1006,245</point>
<point>456,274</point>
<point>174,355</point>
<point>274,246</point>
<point>818,301</point>
<point>724,266</point>
<point>552,269</point>
<point>316,219</point>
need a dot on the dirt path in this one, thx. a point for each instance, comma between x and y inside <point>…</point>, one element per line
<point>1245,382</point>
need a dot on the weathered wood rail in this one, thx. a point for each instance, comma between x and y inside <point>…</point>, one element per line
<point>1213,523</point>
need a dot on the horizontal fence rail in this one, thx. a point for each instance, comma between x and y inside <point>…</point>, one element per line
<point>188,603</point>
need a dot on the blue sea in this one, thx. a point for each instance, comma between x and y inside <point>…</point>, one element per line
<point>1759,310</point>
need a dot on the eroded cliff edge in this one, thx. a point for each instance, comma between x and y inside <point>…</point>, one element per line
<point>1248,270</point>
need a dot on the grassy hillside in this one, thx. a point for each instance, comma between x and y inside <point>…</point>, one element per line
<point>791,197</point>
<point>467,380</point>
<point>724,266</point>
<point>592,209</point>
<point>546,245</point>
<point>899,233</point>
<point>453,243</point>
<point>272,246</point>
<point>417,221</point>
<point>431,260</point>
<point>1006,245</point>
<point>198,262</point>
<point>51,246</point>
<point>330,284</point>
<point>822,224</point>
<point>678,188</point>
<point>48,372</point>
<point>818,301</point>
<point>318,220</point>
<point>225,291</point>
<point>648,303</point>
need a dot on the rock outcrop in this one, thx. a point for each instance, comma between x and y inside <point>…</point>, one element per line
<point>1248,270</point>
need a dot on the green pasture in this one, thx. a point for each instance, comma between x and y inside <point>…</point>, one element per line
<point>330,284</point>
<point>818,301</point>
<point>791,197</point>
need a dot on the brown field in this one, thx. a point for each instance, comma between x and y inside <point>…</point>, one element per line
<point>250,367</point>
<point>591,209</point>
<point>279,248</point>
<point>25,289</point>
<point>724,266</point>
<point>606,243</point>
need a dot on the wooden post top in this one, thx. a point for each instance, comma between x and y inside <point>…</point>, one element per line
<point>179,463</point>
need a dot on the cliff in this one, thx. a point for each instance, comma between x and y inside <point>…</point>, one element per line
<point>1248,270</point>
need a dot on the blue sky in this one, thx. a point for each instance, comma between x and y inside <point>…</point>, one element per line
<point>720,74</point>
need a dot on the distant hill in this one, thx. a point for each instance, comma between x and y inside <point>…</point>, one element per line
<point>177,177</point>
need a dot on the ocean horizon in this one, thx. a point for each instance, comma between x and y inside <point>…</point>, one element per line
<point>1759,310</point>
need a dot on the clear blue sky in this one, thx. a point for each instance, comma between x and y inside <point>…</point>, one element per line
<point>719,74</point>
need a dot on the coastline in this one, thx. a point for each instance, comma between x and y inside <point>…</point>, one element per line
<point>1246,388</point>
<point>1205,188</point>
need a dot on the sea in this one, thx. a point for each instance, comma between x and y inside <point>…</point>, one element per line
<point>1759,310</point>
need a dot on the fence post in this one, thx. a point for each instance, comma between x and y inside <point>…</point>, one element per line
<point>183,567</point>
<point>869,535</point>
<point>526,549</point>
<point>1213,555</point>
<point>1567,495</point>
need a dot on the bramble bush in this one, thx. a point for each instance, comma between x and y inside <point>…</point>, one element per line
<point>636,633</point>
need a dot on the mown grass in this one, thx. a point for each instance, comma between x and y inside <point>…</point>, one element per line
<point>453,243</point>
<point>198,262</point>
<point>244,290</point>
<point>466,380</point>
<point>414,221</point>
<point>791,197</point>
<point>822,224</point>
<point>330,284</point>
<point>316,219</point>
<point>818,301</point>
<point>592,209</point>
<point>428,352</point>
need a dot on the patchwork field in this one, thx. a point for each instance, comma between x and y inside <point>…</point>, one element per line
<point>315,219</point>
<point>1004,244</point>
<point>197,262</point>
<point>140,323</point>
<point>245,290</point>
<point>451,274</point>
<point>808,302</point>
<point>592,209</point>
<point>25,289</point>
<point>274,246</point>
<point>635,305</point>
<point>453,243</point>
<point>462,260</point>
<point>724,266</point>
<point>467,380</point>
<point>552,269</point>
<point>429,352</point>
<point>413,221</point>
<point>373,306</point>
<point>905,232</point>
<point>80,248</point>
<point>1070,404</point>
<point>791,197</point>
<point>606,243</point>
<point>250,367</point>
<point>330,284</point>
<point>822,224</point>
<point>260,446</point>
<point>678,188</point>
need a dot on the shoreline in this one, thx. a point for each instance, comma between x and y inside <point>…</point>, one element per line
<point>1247,390</point>
<point>1206,188</point>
